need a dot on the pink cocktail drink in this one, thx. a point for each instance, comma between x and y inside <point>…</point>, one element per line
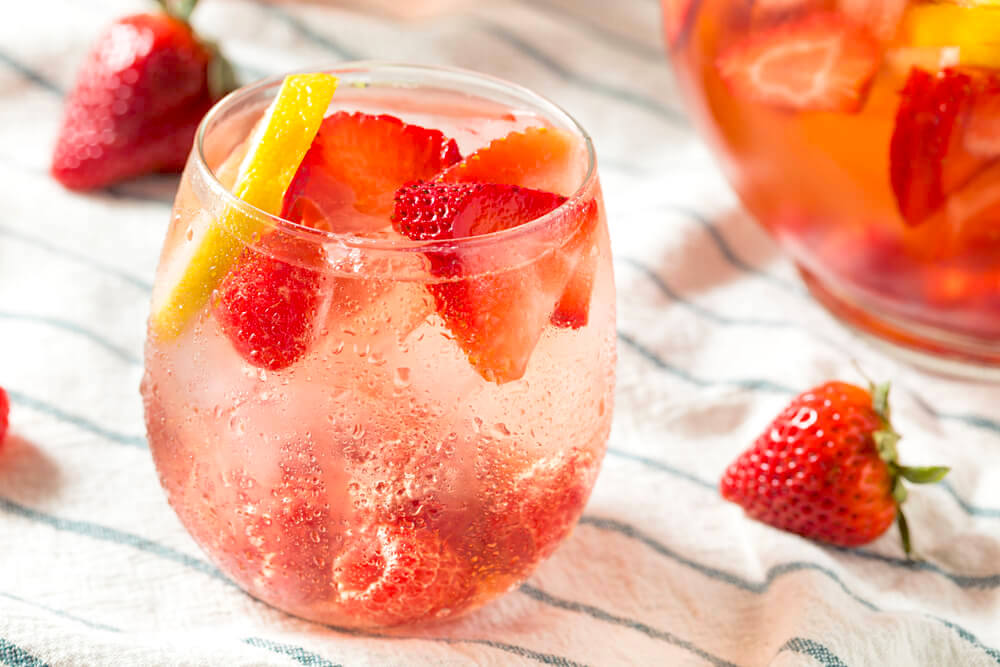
<point>371,421</point>
<point>863,134</point>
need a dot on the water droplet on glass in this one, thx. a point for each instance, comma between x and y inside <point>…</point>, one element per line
<point>402,377</point>
<point>237,425</point>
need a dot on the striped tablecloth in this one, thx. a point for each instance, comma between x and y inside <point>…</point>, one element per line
<point>716,333</point>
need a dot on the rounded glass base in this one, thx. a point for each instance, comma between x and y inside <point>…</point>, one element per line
<point>927,347</point>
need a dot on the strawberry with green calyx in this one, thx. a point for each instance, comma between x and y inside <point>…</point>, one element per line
<point>138,98</point>
<point>827,468</point>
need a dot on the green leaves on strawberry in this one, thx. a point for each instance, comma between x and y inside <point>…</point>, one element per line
<point>827,468</point>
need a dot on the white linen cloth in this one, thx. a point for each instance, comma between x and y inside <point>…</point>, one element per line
<point>716,334</point>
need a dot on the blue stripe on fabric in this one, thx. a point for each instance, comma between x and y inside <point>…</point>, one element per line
<point>757,587</point>
<point>296,653</point>
<point>659,465</point>
<point>78,257</point>
<point>969,637</point>
<point>520,651</point>
<point>13,655</point>
<point>982,582</point>
<point>813,649</point>
<point>742,383</point>
<point>58,413</point>
<point>30,73</point>
<point>969,419</point>
<point>673,116</point>
<point>61,613</point>
<point>300,654</point>
<point>601,615</point>
<point>598,29</point>
<point>976,421</point>
<point>727,251</point>
<point>75,329</point>
<point>987,512</point>
<point>300,26</point>
<point>772,574</point>
<point>711,315</point>
<point>113,535</point>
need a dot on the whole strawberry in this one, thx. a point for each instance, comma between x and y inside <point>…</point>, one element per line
<point>137,100</point>
<point>827,468</point>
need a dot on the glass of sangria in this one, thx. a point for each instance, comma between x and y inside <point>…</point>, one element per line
<point>865,136</point>
<point>381,353</point>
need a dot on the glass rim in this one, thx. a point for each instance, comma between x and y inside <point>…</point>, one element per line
<point>434,73</point>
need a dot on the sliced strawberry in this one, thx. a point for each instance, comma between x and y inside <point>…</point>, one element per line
<point>497,318</point>
<point>267,304</point>
<point>573,309</point>
<point>356,164</point>
<point>926,156</point>
<point>541,158</point>
<point>397,574</point>
<point>547,159</point>
<point>678,16</point>
<point>817,62</point>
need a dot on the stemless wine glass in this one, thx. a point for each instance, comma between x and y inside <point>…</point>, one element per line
<point>385,477</point>
<point>863,135</point>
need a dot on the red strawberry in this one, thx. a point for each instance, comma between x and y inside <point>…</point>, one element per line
<point>4,413</point>
<point>268,303</point>
<point>827,469</point>
<point>927,158</point>
<point>497,318</point>
<point>397,574</point>
<point>137,101</point>
<point>678,15</point>
<point>356,164</point>
<point>817,62</point>
<point>550,159</point>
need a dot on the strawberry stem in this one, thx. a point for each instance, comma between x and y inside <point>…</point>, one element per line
<point>178,9</point>
<point>886,440</point>
<point>904,532</point>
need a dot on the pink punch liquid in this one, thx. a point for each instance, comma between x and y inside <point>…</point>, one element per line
<point>380,479</point>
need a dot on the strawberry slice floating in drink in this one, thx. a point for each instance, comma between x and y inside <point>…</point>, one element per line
<point>356,164</point>
<point>817,62</point>
<point>548,159</point>
<point>928,158</point>
<point>496,317</point>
